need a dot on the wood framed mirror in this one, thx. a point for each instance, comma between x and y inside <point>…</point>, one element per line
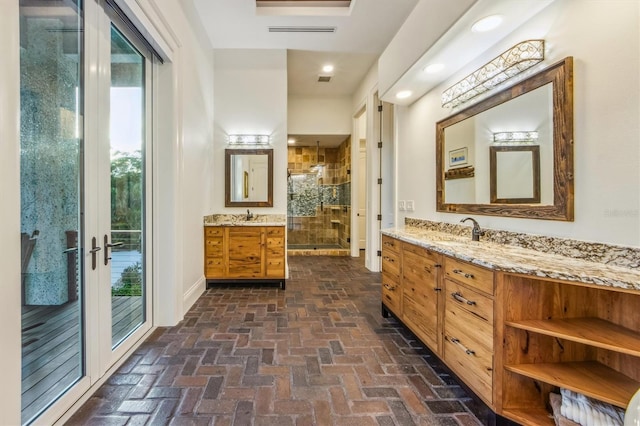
<point>541,103</point>
<point>514,174</point>
<point>248,175</point>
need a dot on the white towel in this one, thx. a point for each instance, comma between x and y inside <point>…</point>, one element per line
<point>589,412</point>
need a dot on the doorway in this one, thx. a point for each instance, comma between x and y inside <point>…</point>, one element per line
<point>85,192</point>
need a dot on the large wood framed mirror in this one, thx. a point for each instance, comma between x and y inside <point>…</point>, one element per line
<point>248,178</point>
<point>542,103</point>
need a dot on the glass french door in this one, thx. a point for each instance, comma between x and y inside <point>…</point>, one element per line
<point>85,89</point>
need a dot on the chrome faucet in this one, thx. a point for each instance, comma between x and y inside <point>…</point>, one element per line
<point>476,232</point>
<point>249,215</point>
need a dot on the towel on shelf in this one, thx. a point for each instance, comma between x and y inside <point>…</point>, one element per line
<point>588,411</point>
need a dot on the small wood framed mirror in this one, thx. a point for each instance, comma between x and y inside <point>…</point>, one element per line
<point>514,174</point>
<point>248,178</point>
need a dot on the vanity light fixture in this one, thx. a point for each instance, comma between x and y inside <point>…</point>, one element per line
<point>515,137</point>
<point>510,63</point>
<point>248,139</point>
<point>404,94</point>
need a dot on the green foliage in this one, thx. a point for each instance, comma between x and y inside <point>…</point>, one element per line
<point>126,190</point>
<point>130,281</point>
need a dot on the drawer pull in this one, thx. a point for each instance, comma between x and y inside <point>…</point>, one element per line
<point>437,289</point>
<point>389,287</point>
<point>464,274</point>
<point>388,259</point>
<point>462,299</point>
<point>427,269</point>
<point>437,265</point>
<point>389,244</point>
<point>466,350</point>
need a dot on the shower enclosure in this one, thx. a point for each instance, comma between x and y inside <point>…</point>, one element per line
<point>319,199</point>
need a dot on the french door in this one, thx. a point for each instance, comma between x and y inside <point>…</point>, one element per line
<point>86,113</point>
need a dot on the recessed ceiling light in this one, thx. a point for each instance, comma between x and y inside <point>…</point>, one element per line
<point>403,94</point>
<point>291,141</point>
<point>327,68</point>
<point>433,68</point>
<point>487,23</point>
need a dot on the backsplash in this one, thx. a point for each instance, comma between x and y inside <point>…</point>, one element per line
<point>627,257</point>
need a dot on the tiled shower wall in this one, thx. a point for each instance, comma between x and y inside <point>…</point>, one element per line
<point>310,221</point>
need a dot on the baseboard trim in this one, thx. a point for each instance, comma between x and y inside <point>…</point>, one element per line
<point>194,292</point>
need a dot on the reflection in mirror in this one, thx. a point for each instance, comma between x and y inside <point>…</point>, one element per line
<point>249,177</point>
<point>473,138</point>
<point>515,174</point>
<point>541,104</point>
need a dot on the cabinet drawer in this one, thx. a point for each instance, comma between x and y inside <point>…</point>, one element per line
<point>473,302</point>
<point>275,231</point>
<point>391,263</point>
<point>422,319</point>
<point>391,293</point>
<point>275,267</point>
<point>214,267</point>
<point>421,253</point>
<point>213,231</point>
<point>275,243</point>
<point>472,362</point>
<point>458,320</point>
<point>390,244</point>
<point>213,247</point>
<point>474,276</point>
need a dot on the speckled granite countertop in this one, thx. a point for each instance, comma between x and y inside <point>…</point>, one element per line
<point>241,220</point>
<point>509,258</point>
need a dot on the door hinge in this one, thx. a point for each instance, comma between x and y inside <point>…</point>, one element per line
<point>348,240</point>
<point>379,217</point>
<point>379,108</point>
<point>379,181</point>
<point>379,253</point>
<point>379,144</point>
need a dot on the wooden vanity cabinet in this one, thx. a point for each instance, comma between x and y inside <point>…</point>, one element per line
<point>244,252</point>
<point>560,334</point>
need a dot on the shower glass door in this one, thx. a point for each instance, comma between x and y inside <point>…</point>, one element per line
<point>52,202</point>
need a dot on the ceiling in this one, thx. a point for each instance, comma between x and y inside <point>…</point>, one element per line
<point>363,28</point>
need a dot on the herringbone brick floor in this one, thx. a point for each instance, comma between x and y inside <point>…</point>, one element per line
<point>318,353</point>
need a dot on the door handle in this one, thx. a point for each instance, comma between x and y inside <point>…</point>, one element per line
<point>107,246</point>
<point>94,250</point>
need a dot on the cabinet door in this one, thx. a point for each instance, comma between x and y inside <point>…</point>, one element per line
<point>245,252</point>
<point>421,291</point>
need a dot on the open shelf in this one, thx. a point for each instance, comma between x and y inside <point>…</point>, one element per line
<point>589,378</point>
<point>530,416</point>
<point>590,331</point>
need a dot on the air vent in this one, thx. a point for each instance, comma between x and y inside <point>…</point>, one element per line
<point>302,29</point>
<point>324,78</point>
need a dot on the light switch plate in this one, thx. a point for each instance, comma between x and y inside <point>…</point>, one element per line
<point>401,205</point>
<point>410,206</point>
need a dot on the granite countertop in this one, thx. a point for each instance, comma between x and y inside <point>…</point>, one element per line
<point>508,258</point>
<point>241,220</point>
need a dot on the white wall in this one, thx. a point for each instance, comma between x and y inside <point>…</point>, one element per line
<point>195,153</point>
<point>10,213</point>
<point>250,96</point>
<point>319,116</point>
<point>603,37</point>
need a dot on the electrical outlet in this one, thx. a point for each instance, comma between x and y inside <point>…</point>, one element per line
<point>410,206</point>
<point>401,206</point>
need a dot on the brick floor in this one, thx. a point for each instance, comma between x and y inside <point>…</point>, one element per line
<point>318,353</point>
